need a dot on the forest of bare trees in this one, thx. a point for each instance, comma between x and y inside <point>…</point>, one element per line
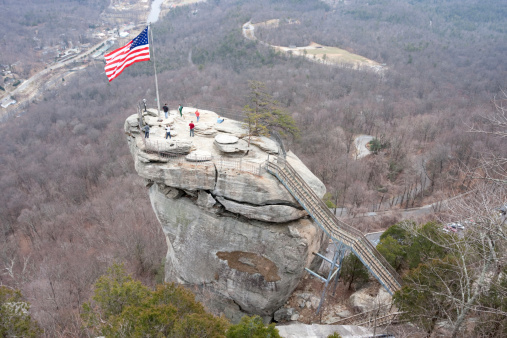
<point>72,204</point>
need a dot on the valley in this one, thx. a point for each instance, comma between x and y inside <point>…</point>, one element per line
<point>73,205</point>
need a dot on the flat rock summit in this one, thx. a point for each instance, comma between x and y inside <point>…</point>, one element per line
<point>233,231</point>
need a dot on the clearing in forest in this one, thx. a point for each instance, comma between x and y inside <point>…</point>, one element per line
<point>316,52</point>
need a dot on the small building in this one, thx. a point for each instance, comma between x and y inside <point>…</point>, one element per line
<point>6,102</point>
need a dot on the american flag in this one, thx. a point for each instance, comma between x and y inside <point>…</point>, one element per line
<point>135,51</point>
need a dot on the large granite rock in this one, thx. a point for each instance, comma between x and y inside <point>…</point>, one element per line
<point>226,139</point>
<point>231,148</point>
<point>230,226</point>
<point>255,264</point>
<point>363,301</point>
<point>266,144</point>
<point>232,127</point>
<point>132,124</point>
<point>205,129</point>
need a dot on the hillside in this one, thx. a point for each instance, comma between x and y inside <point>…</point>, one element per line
<point>72,203</point>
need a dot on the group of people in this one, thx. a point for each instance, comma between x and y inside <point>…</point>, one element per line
<point>165,108</point>
<point>191,125</point>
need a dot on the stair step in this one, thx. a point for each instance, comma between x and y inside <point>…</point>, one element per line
<point>317,210</point>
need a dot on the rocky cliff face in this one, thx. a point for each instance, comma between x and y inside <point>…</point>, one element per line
<point>231,227</point>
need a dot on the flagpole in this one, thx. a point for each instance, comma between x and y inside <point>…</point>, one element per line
<point>155,68</point>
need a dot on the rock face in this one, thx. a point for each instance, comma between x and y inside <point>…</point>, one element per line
<point>362,301</point>
<point>230,226</point>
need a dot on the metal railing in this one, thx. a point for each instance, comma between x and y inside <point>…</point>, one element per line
<point>278,138</point>
<point>220,162</point>
<point>336,229</point>
<point>380,316</point>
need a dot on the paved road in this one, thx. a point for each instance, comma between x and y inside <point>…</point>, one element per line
<point>28,89</point>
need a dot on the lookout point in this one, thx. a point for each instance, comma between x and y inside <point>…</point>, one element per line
<point>243,218</point>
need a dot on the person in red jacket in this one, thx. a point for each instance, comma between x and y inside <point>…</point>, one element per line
<point>197,114</point>
<point>191,125</point>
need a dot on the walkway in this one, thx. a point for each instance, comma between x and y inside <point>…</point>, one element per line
<point>339,232</point>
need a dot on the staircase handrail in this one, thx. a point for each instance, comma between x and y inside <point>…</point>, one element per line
<point>359,234</point>
<point>347,229</point>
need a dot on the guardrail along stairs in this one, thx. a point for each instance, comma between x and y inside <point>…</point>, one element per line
<point>336,229</point>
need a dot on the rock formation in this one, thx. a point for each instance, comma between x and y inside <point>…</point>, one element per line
<point>231,227</point>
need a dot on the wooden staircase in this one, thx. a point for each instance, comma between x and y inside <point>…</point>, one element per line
<point>336,229</point>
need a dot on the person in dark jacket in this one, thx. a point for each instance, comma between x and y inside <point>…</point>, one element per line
<point>166,110</point>
<point>146,129</point>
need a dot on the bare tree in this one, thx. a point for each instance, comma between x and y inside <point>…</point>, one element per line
<point>492,166</point>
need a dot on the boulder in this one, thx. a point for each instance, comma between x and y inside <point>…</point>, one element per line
<point>334,313</point>
<point>150,112</point>
<point>239,147</point>
<point>344,314</point>
<point>205,129</point>
<point>152,121</point>
<point>284,314</point>
<point>264,143</point>
<point>205,200</point>
<point>315,302</point>
<point>267,213</point>
<point>226,139</point>
<point>232,127</point>
<point>362,301</point>
<point>132,124</point>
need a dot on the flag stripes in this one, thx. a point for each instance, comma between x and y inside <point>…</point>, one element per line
<point>136,50</point>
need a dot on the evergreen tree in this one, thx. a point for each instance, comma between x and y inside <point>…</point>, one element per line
<point>124,307</point>
<point>353,270</point>
<point>263,114</point>
<point>252,327</point>
<point>15,319</point>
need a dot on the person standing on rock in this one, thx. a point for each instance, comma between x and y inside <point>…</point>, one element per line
<point>191,125</point>
<point>167,132</point>
<point>166,110</point>
<point>197,114</point>
<point>180,108</point>
<point>146,129</point>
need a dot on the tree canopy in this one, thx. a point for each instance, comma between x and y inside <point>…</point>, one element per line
<point>127,308</point>
<point>123,307</point>
<point>406,250</point>
<point>15,319</point>
<point>452,276</point>
<point>264,114</point>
